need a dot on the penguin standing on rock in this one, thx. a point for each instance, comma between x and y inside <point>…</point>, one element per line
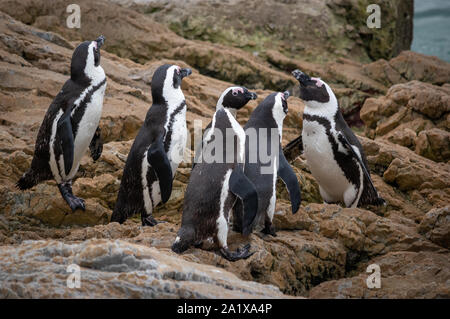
<point>157,150</point>
<point>233,98</point>
<point>70,125</point>
<point>217,182</point>
<point>333,152</point>
<point>264,131</point>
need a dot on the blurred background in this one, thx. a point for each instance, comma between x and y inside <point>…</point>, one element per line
<point>432,28</point>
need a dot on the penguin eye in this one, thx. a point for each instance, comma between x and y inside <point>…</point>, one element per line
<point>235,93</point>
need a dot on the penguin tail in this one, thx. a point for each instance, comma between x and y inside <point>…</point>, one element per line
<point>26,181</point>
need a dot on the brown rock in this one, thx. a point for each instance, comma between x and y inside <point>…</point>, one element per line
<point>410,109</point>
<point>434,144</point>
<point>403,275</point>
<point>135,36</point>
<point>404,137</point>
<point>420,67</point>
<point>115,269</point>
<point>435,226</point>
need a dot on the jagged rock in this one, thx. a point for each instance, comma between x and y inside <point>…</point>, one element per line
<point>45,204</point>
<point>115,269</point>
<point>434,144</point>
<point>425,180</point>
<point>362,233</point>
<point>135,36</point>
<point>420,67</point>
<point>435,226</point>
<point>413,114</point>
<point>403,275</point>
<point>317,30</point>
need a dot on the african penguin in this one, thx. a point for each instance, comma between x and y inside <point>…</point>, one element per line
<point>233,98</point>
<point>70,125</point>
<point>333,152</point>
<point>264,132</point>
<point>157,150</point>
<point>217,182</point>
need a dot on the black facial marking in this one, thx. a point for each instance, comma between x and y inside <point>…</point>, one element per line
<point>310,89</point>
<point>177,78</point>
<point>96,56</point>
<point>158,84</point>
<point>237,98</point>
<point>78,64</point>
<point>285,106</point>
<point>311,92</point>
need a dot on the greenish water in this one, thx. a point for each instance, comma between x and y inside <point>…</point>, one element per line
<point>432,28</point>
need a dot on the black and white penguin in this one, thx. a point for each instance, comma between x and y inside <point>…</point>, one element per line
<point>333,152</point>
<point>218,180</point>
<point>233,99</point>
<point>157,150</point>
<point>265,161</point>
<point>70,125</point>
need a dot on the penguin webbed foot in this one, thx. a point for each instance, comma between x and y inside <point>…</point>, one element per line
<point>76,203</point>
<point>73,201</point>
<point>240,253</point>
<point>150,221</point>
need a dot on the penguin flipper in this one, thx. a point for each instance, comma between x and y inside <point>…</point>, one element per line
<point>157,158</point>
<point>370,194</point>
<point>96,145</point>
<point>243,188</point>
<point>286,173</point>
<point>65,134</point>
<point>293,149</point>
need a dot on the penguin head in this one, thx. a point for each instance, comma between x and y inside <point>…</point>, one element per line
<point>166,83</point>
<point>314,91</point>
<point>185,237</point>
<point>280,106</point>
<point>85,65</point>
<point>273,106</point>
<point>234,98</point>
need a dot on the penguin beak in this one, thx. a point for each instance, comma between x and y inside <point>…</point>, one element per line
<point>100,41</point>
<point>286,95</point>
<point>301,77</point>
<point>185,72</point>
<point>252,96</point>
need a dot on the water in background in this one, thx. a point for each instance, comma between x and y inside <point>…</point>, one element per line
<point>432,28</point>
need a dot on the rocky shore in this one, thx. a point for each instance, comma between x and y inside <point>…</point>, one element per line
<point>398,102</point>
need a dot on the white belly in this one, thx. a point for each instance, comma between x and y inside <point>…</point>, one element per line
<point>86,128</point>
<point>320,159</point>
<point>177,147</point>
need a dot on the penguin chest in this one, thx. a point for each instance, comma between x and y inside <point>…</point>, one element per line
<point>321,160</point>
<point>178,137</point>
<point>87,126</point>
